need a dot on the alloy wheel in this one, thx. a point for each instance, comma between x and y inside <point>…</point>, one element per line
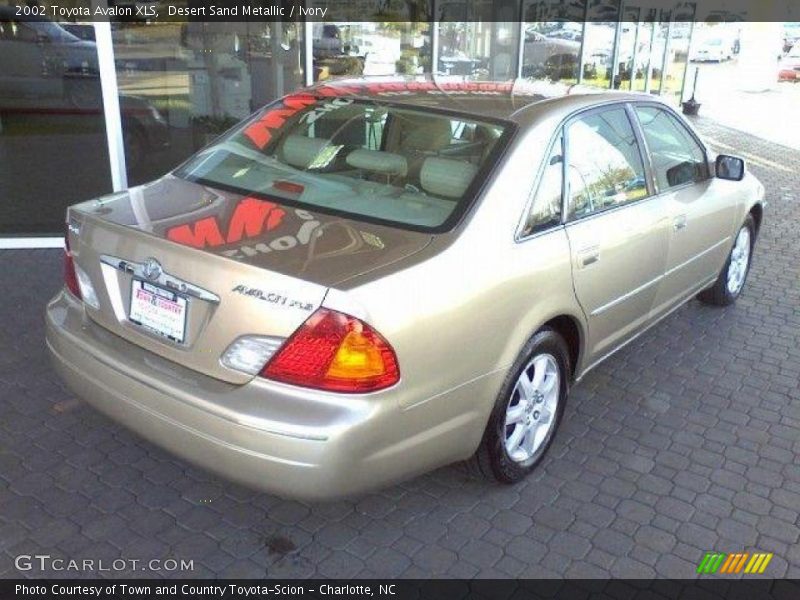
<point>531,410</point>
<point>740,259</point>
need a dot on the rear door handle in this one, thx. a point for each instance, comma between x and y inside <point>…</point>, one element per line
<point>679,223</point>
<point>588,256</point>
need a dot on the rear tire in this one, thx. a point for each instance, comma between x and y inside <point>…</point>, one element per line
<point>527,411</point>
<point>731,279</point>
<point>83,93</point>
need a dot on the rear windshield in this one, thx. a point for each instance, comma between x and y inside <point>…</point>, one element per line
<point>388,163</point>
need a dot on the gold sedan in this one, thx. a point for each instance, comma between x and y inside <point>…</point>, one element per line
<point>369,279</point>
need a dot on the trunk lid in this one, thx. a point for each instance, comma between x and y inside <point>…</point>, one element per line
<point>244,265</point>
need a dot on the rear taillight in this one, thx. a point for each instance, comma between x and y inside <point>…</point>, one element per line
<point>335,352</point>
<point>70,278</point>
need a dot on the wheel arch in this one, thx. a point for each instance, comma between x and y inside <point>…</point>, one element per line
<point>571,329</point>
<point>757,211</point>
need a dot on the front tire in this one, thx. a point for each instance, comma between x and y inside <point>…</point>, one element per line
<point>731,279</point>
<point>527,411</point>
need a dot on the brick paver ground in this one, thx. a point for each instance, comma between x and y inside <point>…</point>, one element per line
<point>683,442</point>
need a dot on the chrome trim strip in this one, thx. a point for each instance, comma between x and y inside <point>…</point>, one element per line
<point>647,327</point>
<point>613,303</point>
<point>644,286</point>
<point>696,256</point>
<point>165,280</point>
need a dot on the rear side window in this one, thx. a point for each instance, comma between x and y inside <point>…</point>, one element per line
<point>676,156</point>
<point>546,208</point>
<point>604,167</point>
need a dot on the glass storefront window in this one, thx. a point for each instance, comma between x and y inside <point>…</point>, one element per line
<point>598,43</point>
<point>183,84</point>
<point>463,49</point>
<point>478,39</point>
<point>661,34</point>
<point>553,34</point>
<point>478,49</point>
<point>678,33</point>
<point>53,149</point>
<point>638,49</point>
<point>651,53</point>
<point>353,49</point>
<point>630,50</point>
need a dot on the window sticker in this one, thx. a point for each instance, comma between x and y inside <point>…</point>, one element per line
<point>323,109</point>
<point>260,132</point>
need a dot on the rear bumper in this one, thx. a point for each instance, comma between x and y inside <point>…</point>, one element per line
<point>281,439</point>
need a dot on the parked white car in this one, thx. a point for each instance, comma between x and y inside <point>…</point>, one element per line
<point>713,49</point>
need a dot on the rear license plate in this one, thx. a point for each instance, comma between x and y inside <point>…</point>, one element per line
<point>158,310</point>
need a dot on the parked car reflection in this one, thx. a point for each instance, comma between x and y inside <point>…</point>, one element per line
<point>49,77</point>
<point>553,56</point>
<point>39,59</point>
<point>789,66</point>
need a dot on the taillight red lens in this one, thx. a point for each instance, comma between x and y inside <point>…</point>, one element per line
<point>336,352</point>
<point>70,278</point>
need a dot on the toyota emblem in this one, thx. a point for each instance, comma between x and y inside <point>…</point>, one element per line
<point>151,269</point>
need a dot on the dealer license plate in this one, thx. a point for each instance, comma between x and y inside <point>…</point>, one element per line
<point>158,310</point>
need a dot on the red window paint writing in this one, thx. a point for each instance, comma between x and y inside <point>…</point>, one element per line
<point>251,218</point>
<point>260,132</point>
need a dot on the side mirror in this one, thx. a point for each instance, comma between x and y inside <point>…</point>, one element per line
<point>729,167</point>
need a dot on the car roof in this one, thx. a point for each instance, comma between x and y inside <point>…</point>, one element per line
<point>514,100</point>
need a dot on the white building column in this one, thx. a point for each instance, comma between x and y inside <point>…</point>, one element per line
<point>110,91</point>
<point>435,38</point>
<point>308,54</point>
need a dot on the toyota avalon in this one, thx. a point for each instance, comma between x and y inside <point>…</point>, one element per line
<point>370,279</point>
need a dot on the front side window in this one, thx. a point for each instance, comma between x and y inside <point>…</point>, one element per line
<point>604,166</point>
<point>546,208</point>
<point>676,156</point>
<point>402,165</point>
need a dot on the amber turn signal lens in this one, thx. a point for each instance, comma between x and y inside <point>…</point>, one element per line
<point>358,357</point>
<point>335,352</point>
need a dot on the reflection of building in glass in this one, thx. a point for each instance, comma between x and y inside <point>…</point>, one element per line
<point>369,49</point>
<point>180,85</point>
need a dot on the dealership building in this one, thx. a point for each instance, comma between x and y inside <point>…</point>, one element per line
<point>90,108</point>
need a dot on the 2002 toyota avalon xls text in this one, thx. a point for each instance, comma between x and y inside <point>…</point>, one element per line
<point>372,278</point>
